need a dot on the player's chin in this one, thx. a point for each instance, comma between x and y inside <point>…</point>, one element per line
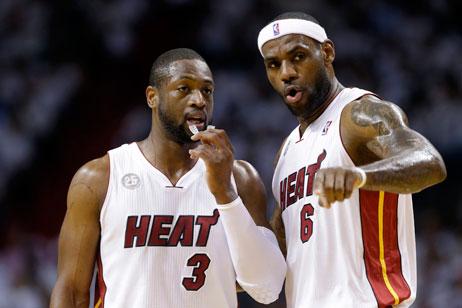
<point>298,110</point>
<point>183,135</point>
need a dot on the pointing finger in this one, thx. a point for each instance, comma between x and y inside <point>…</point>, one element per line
<point>318,182</point>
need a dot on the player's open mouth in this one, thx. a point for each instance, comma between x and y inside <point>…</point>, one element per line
<point>197,120</point>
<point>293,94</point>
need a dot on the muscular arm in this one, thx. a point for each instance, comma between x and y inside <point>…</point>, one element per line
<point>80,235</point>
<point>258,262</point>
<point>394,157</point>
<point>252,191</point>
<point>255,202</point>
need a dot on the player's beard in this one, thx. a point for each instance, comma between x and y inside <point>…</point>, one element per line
<point>316,95</point>
<point>177,132</point>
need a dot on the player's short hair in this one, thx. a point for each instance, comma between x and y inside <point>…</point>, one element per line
<point>296,15</point>
<point>160,67</point>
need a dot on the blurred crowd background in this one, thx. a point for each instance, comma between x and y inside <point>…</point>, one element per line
<point>72,81</point>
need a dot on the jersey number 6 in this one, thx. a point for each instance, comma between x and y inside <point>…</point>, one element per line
<point>306,224</point>
<point>201,263</point>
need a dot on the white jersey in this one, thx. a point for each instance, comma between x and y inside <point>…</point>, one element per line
<point>360,252</point>
<point>162,245</point>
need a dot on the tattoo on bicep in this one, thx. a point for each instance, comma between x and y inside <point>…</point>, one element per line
<point>380,116</point>
<point>377,148</point>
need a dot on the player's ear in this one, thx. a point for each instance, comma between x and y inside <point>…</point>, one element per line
<point>328,51</point>
<point>152,97</point>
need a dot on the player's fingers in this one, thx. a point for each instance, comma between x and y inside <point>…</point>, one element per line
<point>208,136</point>
<point>203,151</point>
<point>350,181</point>
<point>210,154</point>
<point>223,137</point>
<point>196,152</point>
<point>329,183</point>
<point>318,188</point>
<point>214,136</point>
<point>323,201</point>
<point>318,182</point>
<point>200,136</point>
<point>339,185</point>
<point>226,141</point>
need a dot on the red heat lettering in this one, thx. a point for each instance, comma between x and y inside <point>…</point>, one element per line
<point>292,188</point>
<point>183,232</point>
<point>206,222</point>
<point>164,234</point>
<point>159,230</point>
<point>138,230</point>
<point>282,194</point>
<point>291,198</point>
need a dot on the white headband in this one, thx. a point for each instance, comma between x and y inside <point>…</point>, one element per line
<point>282,27</point>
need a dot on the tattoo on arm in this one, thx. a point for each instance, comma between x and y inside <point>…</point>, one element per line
<point>380,115</point>
<point>407,162</point>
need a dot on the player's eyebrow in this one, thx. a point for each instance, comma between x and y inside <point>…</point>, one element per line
<point>296,47</point>
<point>292,49</point>
<point>193,78</point>
<point>270,59</point>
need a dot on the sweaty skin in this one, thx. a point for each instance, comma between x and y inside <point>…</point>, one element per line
<point>189,92</point>
<point>375,133</point>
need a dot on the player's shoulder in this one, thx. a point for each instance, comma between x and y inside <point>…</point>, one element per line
<point>244,171</point>
<point>93,176</point>
<point>94,170</point>
<point>372,115</point>
<point>248,180</point>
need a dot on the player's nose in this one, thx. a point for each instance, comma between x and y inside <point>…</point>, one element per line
<point>197,99</point>
<point>288,72</point>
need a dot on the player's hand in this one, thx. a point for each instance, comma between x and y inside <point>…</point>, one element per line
<point>335,184</point>
<point>217,152</point>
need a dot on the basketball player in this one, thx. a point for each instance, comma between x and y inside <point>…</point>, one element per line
<point>170,221</point>
<point>361,251</point>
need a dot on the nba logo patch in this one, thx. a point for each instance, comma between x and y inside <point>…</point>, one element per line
<point>326,127</point>
<point>276,28</point>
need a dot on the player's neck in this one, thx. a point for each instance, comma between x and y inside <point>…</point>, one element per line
<point>168,156</point>
<point>335,89</point>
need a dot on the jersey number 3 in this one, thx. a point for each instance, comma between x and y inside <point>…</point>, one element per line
<point>306,224</point>
<point>200,262</point>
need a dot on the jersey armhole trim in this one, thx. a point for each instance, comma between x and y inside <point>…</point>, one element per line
<point>108,194</point>
<point>277,165</point>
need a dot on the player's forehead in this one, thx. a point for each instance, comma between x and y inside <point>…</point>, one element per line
<point>286,44</point>
<point>191,69</point>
